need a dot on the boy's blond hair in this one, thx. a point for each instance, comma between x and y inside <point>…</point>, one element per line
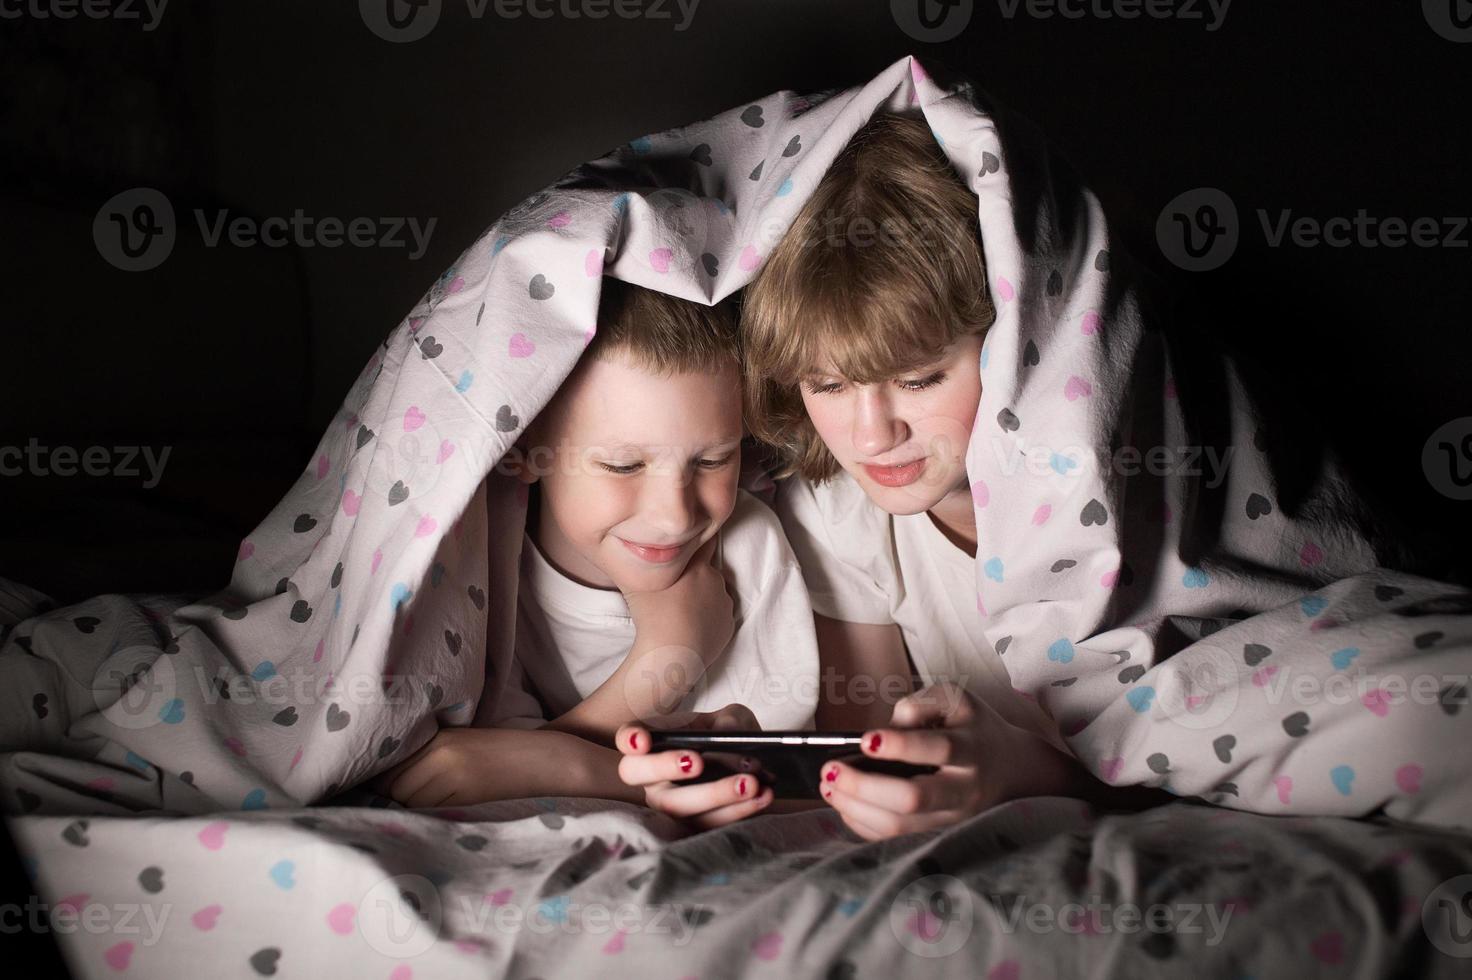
<point>663,334</point>
<point>881,270</point>
<point>660,334</point>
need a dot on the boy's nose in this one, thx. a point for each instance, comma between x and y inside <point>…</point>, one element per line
<point>672,504</point>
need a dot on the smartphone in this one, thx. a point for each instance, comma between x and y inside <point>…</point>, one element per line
<point>790,762</point>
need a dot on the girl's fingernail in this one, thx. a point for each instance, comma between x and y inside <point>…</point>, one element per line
<point>741,787</point>
<point>827,793</point>
<point>831,774</point>
<point>874,742</point>
<point>686,763</point>
<point>633,740</point>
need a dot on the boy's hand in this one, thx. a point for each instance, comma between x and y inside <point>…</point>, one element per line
<point>703,805</point>
<point>695,612</point>
<point>984,760</point>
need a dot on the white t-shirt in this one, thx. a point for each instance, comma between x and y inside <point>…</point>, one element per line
<point>570,638</point>
<point>865,565</point>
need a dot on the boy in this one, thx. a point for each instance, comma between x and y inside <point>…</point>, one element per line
<point>635,530</point>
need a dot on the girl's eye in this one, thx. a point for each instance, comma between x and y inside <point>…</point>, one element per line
<point>625,470</point>
<point>918,385</point>
<point>924,383</point>
<point>715,464</point>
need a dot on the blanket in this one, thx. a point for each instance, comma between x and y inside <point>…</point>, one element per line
<point>1213,636</point>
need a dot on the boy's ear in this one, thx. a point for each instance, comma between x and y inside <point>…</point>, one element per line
<point>517,462</point>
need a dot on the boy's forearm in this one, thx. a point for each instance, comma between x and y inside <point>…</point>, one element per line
<point>555,763</point>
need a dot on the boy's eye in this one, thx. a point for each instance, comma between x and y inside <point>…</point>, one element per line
<point>708,464</point>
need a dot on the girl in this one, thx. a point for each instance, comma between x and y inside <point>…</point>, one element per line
<point>862,335</point>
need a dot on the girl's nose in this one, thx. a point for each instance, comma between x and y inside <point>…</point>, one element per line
<point>876,430</point>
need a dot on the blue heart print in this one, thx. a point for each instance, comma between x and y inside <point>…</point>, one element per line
<point>254,800</point>
<point>786,188</point>
<point>555,909</point>
<point>399,595</point>
<point>281,873</point>
<point>1312,605</point>
<point>1061,464</point>
<point>1343,658</point>
<point>172,712</point>
<point>1343,777</point>
<point>263,671</point>
<point>138,762</point>
<point>1195,578</point>
<point>993,569</point>
<point>1061,651</point>
<point>466,380</point>
<point>1140,698</point>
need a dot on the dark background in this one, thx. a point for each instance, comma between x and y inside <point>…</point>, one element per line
<point>237,358</point>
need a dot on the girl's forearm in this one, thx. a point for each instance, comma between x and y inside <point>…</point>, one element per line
<point>1049,771</point>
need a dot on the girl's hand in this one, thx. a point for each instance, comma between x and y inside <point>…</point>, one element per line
<point>703,805</point>
<point>983,759</point>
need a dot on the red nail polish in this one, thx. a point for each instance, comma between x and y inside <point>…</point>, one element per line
<point>741,787</point>
<point>874,742</point>
<point>633,740</point>
<point>827,793</point>
<point>831,775</point>
<point>686,763</point>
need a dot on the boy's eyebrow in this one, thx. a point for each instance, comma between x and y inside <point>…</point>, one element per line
<point>731,441</point>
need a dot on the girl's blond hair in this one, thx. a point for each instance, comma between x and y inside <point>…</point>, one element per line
<point>880,272</point>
